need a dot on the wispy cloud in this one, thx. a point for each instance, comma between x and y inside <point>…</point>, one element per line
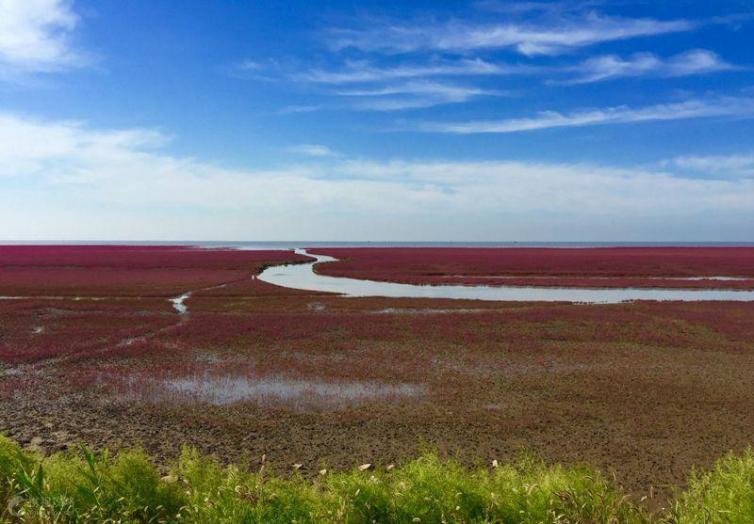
<point>296,109</point>
<point>359,72</point>
<point>313,150</point>
<point>718,107</point>
<point>737,165</point>
<point>546,37</point>
<point>608,67</point>
<point>364,87</point>
<point>527,8</point>
<point>249,65</point>
<point>35,37</point>
<point>266,70</point>
<point>392,64</point>
<point>413,95</point>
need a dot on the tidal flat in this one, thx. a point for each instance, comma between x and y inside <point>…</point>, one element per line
<point>93,351</point>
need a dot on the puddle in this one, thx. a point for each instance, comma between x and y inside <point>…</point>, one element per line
<point>10,372</point>
<point>179,303</point>
<point>599,277</point>
<point>427,311</point>
<point>302,276</point>
<point>724,279</point>
<point>130,341</point>
<point>316,306</point>
<point>49,297</point>
<point>208,357</point>
<point>279,391</point>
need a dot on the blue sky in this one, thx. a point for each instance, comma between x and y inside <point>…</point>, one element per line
<point>487,120</point>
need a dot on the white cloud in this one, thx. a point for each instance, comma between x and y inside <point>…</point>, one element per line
<point>548,37</point>
<point>295,109</point>
<point>607,67</point>
<point>368,88</point>
<point>413,95</point>
<point>526,8</point>
<point>356,72</point>
<point>717,107</point>
<point>35,36</point>
<point>67,180</point>
<point>32,146</point>
<point>436,50</point>
<point>315,150</point>
<point>740,165</point>
<point>249,65</point>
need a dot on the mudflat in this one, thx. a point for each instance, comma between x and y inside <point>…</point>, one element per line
<point>645,390</point>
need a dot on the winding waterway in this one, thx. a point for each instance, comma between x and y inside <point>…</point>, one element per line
<point>302,276</point>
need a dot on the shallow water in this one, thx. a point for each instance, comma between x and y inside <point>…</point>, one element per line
<point>179,303</point>
<point>225,390</point>
<point>302,276</point>
<point>427,311</point>
<point>598,277</point>
<point>49,297</point>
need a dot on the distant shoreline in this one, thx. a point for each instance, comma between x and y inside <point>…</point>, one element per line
<point>252,244</point>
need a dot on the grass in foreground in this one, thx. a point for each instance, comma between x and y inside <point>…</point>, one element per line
<point>82,487</point>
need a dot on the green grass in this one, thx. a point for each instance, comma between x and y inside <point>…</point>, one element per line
<point>128,487</point>
<point>725,494</point>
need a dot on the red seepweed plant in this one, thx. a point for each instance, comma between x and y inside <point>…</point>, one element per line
<point>578,267</point>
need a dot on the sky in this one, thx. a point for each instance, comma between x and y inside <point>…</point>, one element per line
<point>486,120</point>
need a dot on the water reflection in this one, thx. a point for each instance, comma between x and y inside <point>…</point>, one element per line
<point>282,391</point>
